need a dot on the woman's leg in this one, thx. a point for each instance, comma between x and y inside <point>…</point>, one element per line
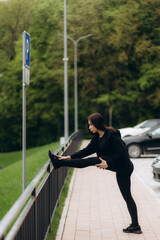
<point>80,163</point>
<point>77,163</point>
<point>124,184</point>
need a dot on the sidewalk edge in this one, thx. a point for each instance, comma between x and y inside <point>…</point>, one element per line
<point>65,209</point>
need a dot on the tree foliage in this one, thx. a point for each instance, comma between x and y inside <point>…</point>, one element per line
<point>118,66</point>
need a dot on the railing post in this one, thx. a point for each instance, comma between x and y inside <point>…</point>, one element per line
<point>33,195</point>
<point>49,197</point>
<point>57,186</point>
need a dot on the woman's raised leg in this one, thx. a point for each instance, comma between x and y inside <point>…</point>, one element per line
<point>76,163</point>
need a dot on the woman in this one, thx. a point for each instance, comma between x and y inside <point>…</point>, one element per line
<point>111,155</point>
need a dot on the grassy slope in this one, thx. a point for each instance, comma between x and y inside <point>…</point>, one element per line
<point>11,174</point>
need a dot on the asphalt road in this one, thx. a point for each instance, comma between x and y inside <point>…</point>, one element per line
<point>143,170</point>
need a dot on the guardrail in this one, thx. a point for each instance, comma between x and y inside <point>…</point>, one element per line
<point>31,215</point>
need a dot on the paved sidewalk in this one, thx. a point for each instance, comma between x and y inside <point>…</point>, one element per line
<point>97,210</point>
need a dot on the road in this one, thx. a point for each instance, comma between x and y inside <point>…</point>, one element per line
<point>143,170</point>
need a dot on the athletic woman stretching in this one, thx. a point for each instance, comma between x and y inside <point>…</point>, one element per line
<point>111,155</point>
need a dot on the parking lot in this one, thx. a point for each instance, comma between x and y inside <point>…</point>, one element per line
<point>143,170</point>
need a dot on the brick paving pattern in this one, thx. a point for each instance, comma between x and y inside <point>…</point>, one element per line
<point>97,210</point>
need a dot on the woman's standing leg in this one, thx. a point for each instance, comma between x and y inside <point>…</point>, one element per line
<point>124,183</point>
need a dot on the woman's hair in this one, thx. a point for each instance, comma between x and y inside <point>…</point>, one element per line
<point>98,121</point>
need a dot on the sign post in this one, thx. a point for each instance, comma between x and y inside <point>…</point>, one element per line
<point>26,77</point>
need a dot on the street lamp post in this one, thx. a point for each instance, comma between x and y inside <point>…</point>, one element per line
<point>75,42</point>
<point>65,75</point>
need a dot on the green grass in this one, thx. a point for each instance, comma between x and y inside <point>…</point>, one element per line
<point>59,209</point>
<point>11,174</point>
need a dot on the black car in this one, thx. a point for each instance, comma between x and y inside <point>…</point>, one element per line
<point>146,143</point>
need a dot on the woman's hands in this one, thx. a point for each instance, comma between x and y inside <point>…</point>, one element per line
<point>102,165</point>
<point>64,157</point>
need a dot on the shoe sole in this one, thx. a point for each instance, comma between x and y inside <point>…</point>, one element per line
<point>137,232</point>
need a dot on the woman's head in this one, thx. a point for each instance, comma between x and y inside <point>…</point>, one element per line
<point>96,121</point>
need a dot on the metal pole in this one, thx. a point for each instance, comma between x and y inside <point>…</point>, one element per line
<point>65,75</point>
<point>24,136</point>
<point>75,89</point>
<point>24,127</point>
<point>110,116</point>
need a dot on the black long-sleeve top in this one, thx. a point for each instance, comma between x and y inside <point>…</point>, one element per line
<point>111,148</point>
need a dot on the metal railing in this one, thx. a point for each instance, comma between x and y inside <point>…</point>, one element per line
<point>31,215</point>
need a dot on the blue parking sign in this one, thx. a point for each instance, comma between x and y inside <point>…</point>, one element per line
<point>27,49</point>
<point>26,58</point>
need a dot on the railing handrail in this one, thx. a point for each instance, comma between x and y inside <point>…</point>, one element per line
<point>14,210</point>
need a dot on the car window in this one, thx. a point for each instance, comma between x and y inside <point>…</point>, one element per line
<point>156,132</point>
<point>147,124</point>
<point>140,124</point>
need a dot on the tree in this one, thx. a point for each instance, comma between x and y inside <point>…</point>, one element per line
<point>118,67</point>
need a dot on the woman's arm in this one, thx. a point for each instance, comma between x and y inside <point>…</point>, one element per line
<point>90,149</point>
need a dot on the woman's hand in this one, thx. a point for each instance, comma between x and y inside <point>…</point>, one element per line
<point>65,158</point>
<point>102,165</point>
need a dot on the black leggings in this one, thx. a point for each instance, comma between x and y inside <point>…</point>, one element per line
<point>80,162</point>
<point>123,180</point>
<point>124,183</point>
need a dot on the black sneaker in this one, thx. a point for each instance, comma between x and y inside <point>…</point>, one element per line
<point>54,160</point>
<point>132,229</point>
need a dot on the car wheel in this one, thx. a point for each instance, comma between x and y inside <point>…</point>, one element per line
<point>134,150</point>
